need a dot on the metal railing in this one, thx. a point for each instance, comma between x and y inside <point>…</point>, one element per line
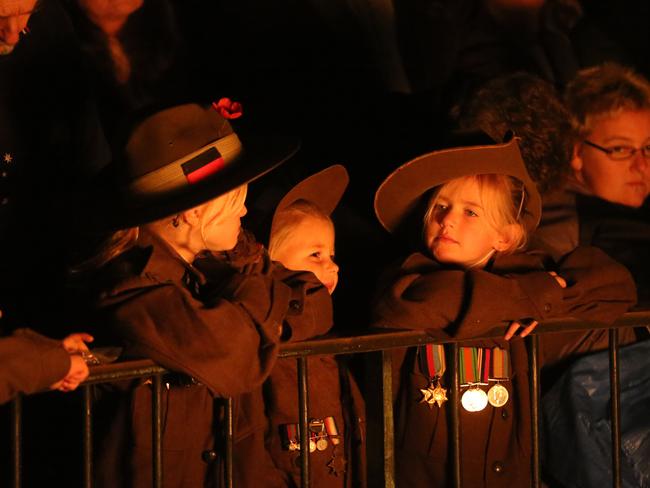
<point>382,341</point>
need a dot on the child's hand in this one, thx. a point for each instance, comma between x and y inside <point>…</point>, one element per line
<point>528,327</point>
<point>76,343</point>
<point>561,281</point>
<point>76,374</point>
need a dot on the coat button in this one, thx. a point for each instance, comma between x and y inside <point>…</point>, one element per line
<point>209,456</point>
<point>504,414</point>
<point>497,467</point>
<point>547,307</point>
<point>295,305</point>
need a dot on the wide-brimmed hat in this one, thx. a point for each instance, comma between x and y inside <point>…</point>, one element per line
<point>185,155</point>
<point>324,189</point>
<point>402,191</point>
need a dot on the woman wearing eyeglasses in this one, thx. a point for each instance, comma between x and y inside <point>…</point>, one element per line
<point>610,108</point>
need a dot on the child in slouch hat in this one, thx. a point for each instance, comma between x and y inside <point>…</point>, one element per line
<point>474,275</point>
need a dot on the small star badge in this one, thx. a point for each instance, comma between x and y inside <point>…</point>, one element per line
<point>8,158</point>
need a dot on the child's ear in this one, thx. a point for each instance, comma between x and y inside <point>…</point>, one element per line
<point>192,217</point>
<point>576,158</point>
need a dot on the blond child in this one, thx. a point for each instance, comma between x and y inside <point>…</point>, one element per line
<point>302,238</point>
<point>472,277</point>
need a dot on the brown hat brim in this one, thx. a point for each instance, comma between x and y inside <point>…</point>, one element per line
<point>261,155</point>
<point>324,189</point>
<point>402,190</point>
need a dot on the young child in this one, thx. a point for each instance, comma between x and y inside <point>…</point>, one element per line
<point>302,238</point>
<point>171,297</point>
<point>471,278</point>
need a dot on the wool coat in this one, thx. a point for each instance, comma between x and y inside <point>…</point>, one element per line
<point>30,362</point>
<point>465,304</point>
<point>219,325</point>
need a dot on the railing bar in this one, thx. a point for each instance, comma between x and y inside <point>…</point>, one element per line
<point>533,366</point>
<point>303,413</point>
<point>615,393</point>
<point>455,416</point>
<point>16,435</point>
<point>87,424</point>
<point>156,421</point>
<point>388,430</point>
<point>229,443</point>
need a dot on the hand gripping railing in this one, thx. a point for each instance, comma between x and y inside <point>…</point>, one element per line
<point>374,341</point>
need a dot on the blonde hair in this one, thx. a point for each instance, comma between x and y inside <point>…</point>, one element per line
<point>229,203</point>
<point>503,198</point>
<point>287,219</point>
<point>603,91</point>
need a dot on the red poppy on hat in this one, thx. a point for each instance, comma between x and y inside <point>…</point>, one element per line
<point>227,108</point>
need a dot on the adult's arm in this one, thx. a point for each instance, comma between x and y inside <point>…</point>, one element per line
<point>30,362</point>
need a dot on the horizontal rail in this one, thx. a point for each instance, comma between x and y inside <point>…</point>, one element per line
<point>374,340</point>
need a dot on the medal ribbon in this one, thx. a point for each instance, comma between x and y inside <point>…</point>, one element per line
<point>332,431</point>
<point>500,363</point>
<point>472,365</point>
<point>432,360</point>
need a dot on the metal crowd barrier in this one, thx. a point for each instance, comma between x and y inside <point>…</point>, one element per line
<point>375,341</point>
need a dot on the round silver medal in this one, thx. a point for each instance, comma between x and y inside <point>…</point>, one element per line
<point>498,395</point>
<point>321,444</point>
<point>312,445</point>
<point>474,400</point>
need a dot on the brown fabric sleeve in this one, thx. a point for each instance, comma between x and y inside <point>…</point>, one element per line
<point>30,362</point>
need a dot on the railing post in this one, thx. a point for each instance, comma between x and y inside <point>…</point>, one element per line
<point>156,421</point>
<point>455,415</point>
<point>303,416</point>
<point>388,430</point>
<point>87,424</point>
<point>533,374</point>
<point>229,428</point>
<point>615,395</point>
<point>16,439</point>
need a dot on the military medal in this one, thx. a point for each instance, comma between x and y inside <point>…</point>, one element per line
<point>498,395</point>
<point>473,374</point>
<point>317,428</point>
<point>290,437</point>
<point>432,364</point>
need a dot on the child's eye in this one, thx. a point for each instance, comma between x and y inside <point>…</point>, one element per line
<point>441,206</point>
<point>315,255</point>
<point>470,213</point>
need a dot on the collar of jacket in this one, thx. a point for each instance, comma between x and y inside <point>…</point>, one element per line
<point>164,263</point>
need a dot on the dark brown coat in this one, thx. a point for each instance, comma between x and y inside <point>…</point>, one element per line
<point>495,443</point>
<point>220,327</point>
<point>332,392</point>
<point>30,362</point>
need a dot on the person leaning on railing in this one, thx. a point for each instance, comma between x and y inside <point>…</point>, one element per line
<point>471,277</point>
<point>183,183</point>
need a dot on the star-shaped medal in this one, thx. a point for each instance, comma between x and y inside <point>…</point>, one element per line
<point>431,395</point>
<point>8,158</point>
<point>337,465</point>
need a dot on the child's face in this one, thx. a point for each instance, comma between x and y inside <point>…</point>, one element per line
<point>458,231</point>
<point>626,181</point>
<point>310,247</point>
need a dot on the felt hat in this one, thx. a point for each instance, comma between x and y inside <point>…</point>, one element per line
<point>186,155</point>
<point>402,191</point>
<point>324,189</point>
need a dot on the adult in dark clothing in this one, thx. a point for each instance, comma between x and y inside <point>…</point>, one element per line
<point>610,107</point>
<point>50,143</point>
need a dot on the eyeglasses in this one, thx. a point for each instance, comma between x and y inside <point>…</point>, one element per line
<point>620,153</point>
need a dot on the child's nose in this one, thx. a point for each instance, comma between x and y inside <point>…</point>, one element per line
<point>244,211</point>
<point>448,219</point>
<point>332,266</point>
